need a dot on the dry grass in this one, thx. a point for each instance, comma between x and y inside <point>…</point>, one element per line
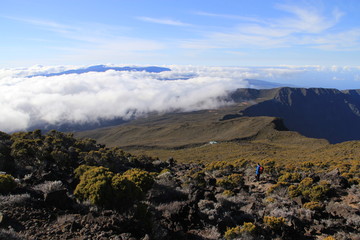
<point>186,137</point>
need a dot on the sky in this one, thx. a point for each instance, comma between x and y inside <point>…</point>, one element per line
<point>214,45</point>
<point>196,32</point>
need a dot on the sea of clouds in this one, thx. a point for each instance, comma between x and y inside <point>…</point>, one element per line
<point>27,101</point>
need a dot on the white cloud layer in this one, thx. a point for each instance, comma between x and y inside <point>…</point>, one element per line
<point>83,98</point>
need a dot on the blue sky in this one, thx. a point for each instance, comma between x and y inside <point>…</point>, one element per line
<point>213,44</point>
<point>163,32</point>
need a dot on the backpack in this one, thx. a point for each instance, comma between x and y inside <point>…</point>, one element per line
<point>261,169</point>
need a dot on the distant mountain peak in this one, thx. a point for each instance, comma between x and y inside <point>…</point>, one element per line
<point>104,68</point>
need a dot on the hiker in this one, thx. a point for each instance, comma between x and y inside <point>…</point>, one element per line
<point>259,171</point>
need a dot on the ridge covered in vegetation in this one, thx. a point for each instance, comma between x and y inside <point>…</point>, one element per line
<point>54,186</point>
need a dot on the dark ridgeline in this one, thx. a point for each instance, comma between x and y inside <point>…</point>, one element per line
<point>315,112</point>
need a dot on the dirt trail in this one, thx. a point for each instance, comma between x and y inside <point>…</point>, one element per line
<point>260,187</point>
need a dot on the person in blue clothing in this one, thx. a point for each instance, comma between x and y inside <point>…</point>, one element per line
<point>259,171</point>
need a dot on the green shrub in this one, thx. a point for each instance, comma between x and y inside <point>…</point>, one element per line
<point>293,191</point>
<point>79,171</point>
<point>270,200</point>
<point>95,186</point>
<point>230,182</point>
<point>240,163</point>
<point>313,206</point>
<point>197,178</point>
<point>248,227</point>
<point>238,231</point>
<point>104,188</point>
<point>165,170</point>
<point>232,233</point>
<point>60,157</point>
<point>317,192</point>
<point>219,165</point>
<point>307,164</point>
<point>306,183</point>
<point>290,177</point>
<point>329,238</point>
<point>274,222</point>
<point>126,192</point>
<point>143,179</point>
<point>311,191</point>
<point>228,193</point>
<point>7,183</point>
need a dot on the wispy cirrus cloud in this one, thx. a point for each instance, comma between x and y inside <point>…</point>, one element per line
<point>307,20</point>
<point>45,24</point>
<point>297,26</point>
<point>229,16</point>
<point>165,21</point>
<point>101,42</point>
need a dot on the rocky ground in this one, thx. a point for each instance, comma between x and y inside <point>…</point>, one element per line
<point>219,200</point>
<point>184,203</point>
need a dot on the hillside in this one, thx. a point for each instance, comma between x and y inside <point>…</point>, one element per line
<point>204,136</point>
<point>315,112</point>
<point>180,130</point>
<point>60,187</point>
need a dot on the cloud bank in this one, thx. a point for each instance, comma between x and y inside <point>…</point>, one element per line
<point>85,98</point>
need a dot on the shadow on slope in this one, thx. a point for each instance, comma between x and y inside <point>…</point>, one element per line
<point>315,112</point>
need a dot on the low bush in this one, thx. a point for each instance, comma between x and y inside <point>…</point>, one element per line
<point>231,182</point>
<point>125,192</point>
<point>309,190</point>
<point>143,179</point>
<point>49,186</point>
<point>104,188</point>
<point>239,231</point>
<point>305,183</point>
<point>274,223</point>
<point>95,186</point>
<point>228,193</point>
<point>307,164</point>
<point>293,191</point>
<point>219,165</point>
<point>317,192</point>
<point>10,235</point>
<point>315,206</point>
<point>165,170</point>
<point>270,200</point>
<point>197,178</point>
<point>290,177</point>
<point>7,183</point>
<point>329,238</point>
<point>11,200</point>
<point>79,171</point>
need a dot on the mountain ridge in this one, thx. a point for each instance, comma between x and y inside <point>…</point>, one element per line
<point>320,113</point>
<point>104,68</point>
<point>314,112</point>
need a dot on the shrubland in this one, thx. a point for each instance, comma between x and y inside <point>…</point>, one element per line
<point>54,186</point>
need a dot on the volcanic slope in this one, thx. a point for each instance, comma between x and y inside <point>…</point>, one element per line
<point>179,130</point>
<point>314,112</point>
<point>229,133</point>
<point>204,137</point>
